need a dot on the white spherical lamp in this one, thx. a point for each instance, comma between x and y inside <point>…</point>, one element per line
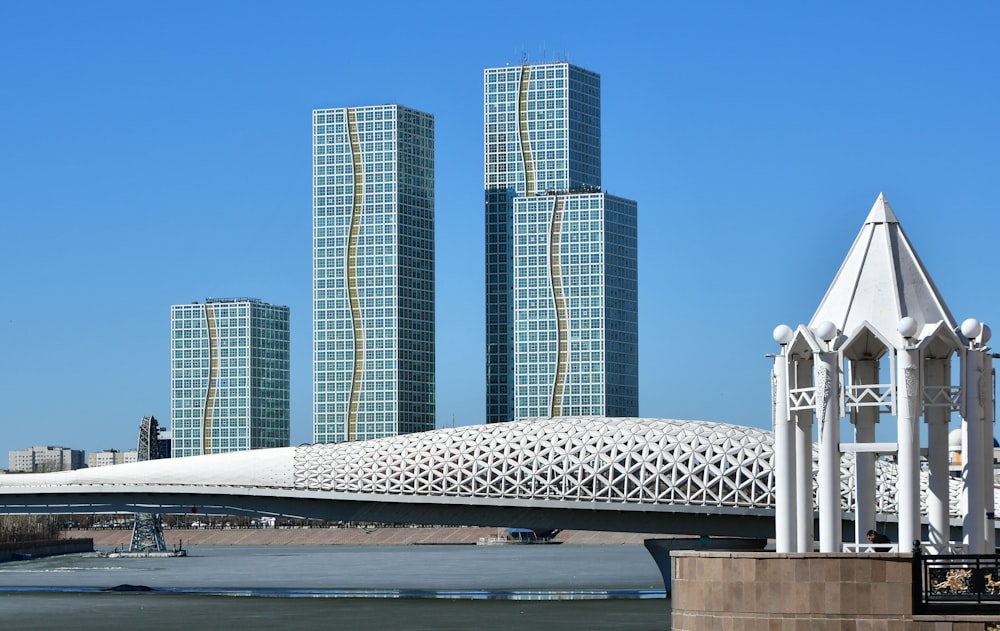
<point>987,333</point>
<point>955,440</point>
<point>971,328</point>
<point>826,330</point>
<point>907,327</point>
<point>783,334</point>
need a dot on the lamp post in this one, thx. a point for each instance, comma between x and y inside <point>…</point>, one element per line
<point>908,403</point>
<point>784,447</point>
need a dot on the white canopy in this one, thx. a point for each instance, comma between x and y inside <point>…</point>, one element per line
<point>881,281</point>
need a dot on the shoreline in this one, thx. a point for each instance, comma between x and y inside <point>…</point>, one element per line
<point>44,548</point>
<point>339,536</point>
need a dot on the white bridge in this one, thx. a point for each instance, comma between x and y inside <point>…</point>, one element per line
<point>618,474</point>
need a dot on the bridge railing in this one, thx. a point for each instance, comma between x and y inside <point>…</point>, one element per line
<point>862,548</point>
<point>956,583</point>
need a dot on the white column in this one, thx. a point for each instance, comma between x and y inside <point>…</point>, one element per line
<point>784,459</point>
<point>803,481</point>
<point>865,372</point>
<point>973,521</point>
<point>800,375</point>
<point>937,373</point>
<point>988,479</point>
<point>828,416</point>
<point>908,400</point>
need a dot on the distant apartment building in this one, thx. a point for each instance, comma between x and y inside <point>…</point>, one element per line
<point>229,376</point>
<point>45,459</point>
<point>561,254</point>
<point>109,457</point>
<point>373,272</point>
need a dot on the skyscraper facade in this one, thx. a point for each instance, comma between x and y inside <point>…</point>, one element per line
<point>373,272</point>
<point>561,272</point>
<point>229,376</point>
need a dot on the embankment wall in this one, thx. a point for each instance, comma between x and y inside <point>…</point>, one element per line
<point>11,551</point>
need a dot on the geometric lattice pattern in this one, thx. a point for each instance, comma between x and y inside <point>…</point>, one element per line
<point>593,459</point>
<point>885,489</point>
<point>613,460</point>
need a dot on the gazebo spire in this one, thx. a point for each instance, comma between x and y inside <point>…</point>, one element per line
<point>881,281</point>
<point>881,212</point>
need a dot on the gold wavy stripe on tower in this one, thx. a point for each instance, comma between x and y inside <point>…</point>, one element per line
<point>357,324</point>
<point>213,370</point>
<point>522,108</point>
<point>559,298</point>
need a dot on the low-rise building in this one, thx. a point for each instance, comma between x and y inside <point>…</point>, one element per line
<point>110,457</point>
<point>43,459</point>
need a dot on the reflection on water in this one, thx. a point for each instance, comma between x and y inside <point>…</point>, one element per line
<point>356,587</point>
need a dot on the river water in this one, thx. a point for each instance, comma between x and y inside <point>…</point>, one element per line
<point>546,587</point>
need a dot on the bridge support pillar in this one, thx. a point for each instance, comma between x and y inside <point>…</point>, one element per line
<point>660,549</point>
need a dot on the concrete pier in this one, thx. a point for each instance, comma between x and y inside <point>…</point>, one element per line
<point>661,550</point>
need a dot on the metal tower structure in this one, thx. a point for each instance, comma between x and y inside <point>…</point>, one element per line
<point>147,534</point>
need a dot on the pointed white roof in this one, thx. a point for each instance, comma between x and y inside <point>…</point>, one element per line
<point>881,281</point>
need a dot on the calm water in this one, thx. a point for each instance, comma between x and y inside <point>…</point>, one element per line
<point>345,587</point>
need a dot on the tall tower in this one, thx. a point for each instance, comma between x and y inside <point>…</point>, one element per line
<point>229,376</point>
<point>373,272</point>
<point>561,255</point>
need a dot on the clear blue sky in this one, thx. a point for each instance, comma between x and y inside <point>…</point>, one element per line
<point>154,153</point>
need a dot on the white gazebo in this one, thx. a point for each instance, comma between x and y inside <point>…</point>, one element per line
<point>880,344</point>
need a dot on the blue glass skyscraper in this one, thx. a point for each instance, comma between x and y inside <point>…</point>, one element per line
<point>229,376</point>
<point>373,272</point>
<point>561,257</point>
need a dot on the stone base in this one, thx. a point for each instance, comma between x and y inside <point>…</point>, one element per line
<point>761,591</point>
<point>660,550</point>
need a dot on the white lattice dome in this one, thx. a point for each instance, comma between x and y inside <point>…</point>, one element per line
<point>615,460</point>
<point>592,459</point>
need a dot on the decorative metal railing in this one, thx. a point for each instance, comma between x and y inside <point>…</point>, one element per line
<point>869,395</point>
<point>866,548</point>
<point>956,583</point>
<point>943,397</point>
<point>801,399</point>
